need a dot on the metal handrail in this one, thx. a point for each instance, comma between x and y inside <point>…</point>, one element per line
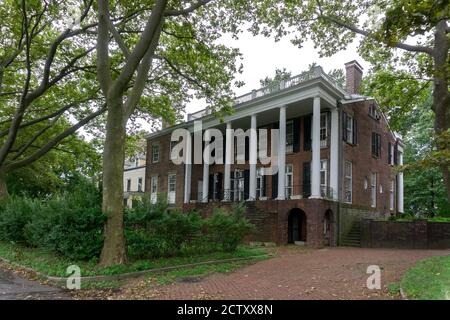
<point>314,73</point>
<point>302,190</point>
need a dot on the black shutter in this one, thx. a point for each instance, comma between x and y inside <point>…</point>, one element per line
<point>219,186</point>
<point>373,143</point>
<point>296,127</point>
<point>232,183</point>
<point>306,179</point>
<point>344,126</point>
<point>246,183</point>
<point>263,186</point>
<point>395,154</point>
<point>389,153</point>
<point>247,149</point>
<point>275,186</point>
<point>307,133</point>
<point>379,145</point>
<point>355,132</point>
<point>211,186</point>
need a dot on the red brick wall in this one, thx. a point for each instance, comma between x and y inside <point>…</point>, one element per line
<point>363,163</point>
<point>163,168</point>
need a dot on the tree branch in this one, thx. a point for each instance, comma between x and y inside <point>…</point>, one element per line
<point>142,75</point>
<point>54,142</point>
<point>183,12</point>
<point>141,47</point>
<point>46,117</point>
<point>118,38</point>
<point>355,29</point>
<point>103,63</point>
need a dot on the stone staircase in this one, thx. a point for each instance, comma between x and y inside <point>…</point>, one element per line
<point>353,237</point>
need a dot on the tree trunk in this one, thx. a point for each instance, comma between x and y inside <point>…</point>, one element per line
<point>3,187</point>
<point>441,95</point>
<point>114,248</point>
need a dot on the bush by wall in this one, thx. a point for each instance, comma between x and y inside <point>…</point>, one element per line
<point>70,224</point>
<point>158,231</point>
<point>228,228</point>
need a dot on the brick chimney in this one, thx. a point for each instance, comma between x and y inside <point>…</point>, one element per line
<point>353,76</point>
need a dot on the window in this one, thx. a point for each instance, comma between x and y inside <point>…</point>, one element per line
<point>391,195</point>
<point>172,182</point>
<point>155,153</point>
<point>391,153</point>
<point>289,136</point>
<point>348,182</point>
<point>323,130</point>
<point>373,190</point>
<point>128,184</point>
<point>260,183</point>
<point>289,181</point>
<point>139,187</point>
<point>373,112</point>
<point>376,144</point>
<point>153,189</point>
<point>238,194</point>
<point>349,128</point>
<point>172,178</point>
<point>323,177</point>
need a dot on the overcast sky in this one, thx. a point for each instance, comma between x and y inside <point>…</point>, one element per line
<point>261,56</point>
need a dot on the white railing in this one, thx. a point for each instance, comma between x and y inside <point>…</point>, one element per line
<point>314,73</point>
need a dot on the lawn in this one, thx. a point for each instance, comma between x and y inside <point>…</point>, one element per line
<point>428,280</point>
<point>51,264</point>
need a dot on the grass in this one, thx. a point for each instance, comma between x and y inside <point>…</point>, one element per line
<point>408,218</point>
<point>197,272</point>
<point>49,263</point>
<point>429,279</point>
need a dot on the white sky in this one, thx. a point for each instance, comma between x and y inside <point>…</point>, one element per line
<point>262,56</point>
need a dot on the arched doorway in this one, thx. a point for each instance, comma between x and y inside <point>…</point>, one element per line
<point>296,226</point>
<point>327,227</point>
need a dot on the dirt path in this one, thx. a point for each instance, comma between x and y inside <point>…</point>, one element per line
<point>15,287</point>
<point>299,273</point>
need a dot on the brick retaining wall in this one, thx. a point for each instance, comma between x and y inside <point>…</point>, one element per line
<point>419,234</point>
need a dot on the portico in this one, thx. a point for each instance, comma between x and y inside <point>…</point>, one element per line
<point>327,144</point>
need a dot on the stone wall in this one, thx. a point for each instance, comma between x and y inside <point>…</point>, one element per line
<point>271,218</point>
<point>418,234</point>
<point>351,214</point>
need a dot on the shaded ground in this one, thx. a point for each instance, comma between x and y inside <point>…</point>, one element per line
<point>296,273</point>
<point>15,287</point>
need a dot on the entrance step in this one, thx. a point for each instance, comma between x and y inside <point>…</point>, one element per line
<point>353,237</point>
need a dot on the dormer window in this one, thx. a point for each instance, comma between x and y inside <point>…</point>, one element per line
<point>373,112</point>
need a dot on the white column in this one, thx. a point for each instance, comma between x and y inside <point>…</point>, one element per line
<point>334,153</point>
<point>315,164</point>
<point>282,156</point>
<point>227,165</point>
<point>188,170</point>
<point>205,172</point>
<point>253,159</point>
<point>400,184</point>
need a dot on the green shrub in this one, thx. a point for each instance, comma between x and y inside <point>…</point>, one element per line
<point>70,224</point>
<point>15,213</point>
<point>229,228</point>
<point>154,230</point>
